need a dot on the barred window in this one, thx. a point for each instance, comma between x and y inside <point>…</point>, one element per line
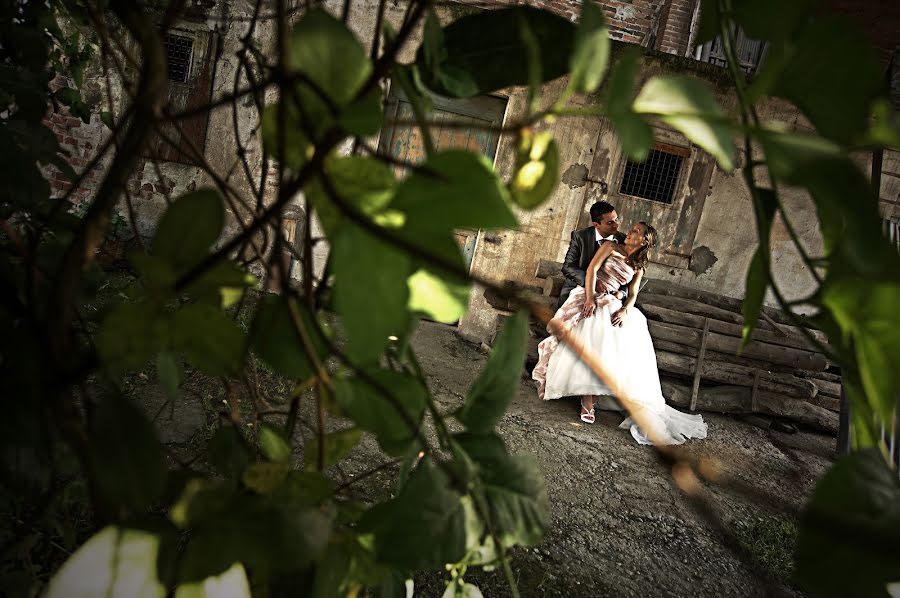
<point>178,53</point>
<point>653,179</point>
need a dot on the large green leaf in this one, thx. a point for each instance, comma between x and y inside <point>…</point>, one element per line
<point>327,52</point>
<point>590,56</point>
<point>867,313</point>
<point>273,444</point>
<point>765,202</point>
<point>849,541</point>
<point>833,74</point>
<point>212,341</point>
<point>423,527</point>
<point>334,65</point>
<point>499,381</point>
<point>275,339</point>
<point>227,451</point>
<point>370,291</point>
<point>267,533</point>
<point>484,52</point>
<point>188,228</point>
<point>131,334</point>
<point>441,298</point>
<point>373,412</point>
<point>365,184</point>
<point>114,562</point>
<point>127,460</point>
<point>845,202</point>
<point>457,189</point>
<point>170,374</point>
<point>537,169</point>
<point>337,446</point>
<point>684,102</point>
<point>513,488</point>
<point>635,135</point>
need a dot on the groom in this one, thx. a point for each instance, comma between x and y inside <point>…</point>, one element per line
<point>584,244</point>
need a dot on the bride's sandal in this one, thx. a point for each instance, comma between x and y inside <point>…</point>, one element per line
<point>587,415</point>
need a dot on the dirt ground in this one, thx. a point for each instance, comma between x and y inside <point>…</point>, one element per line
<point>619,527</point>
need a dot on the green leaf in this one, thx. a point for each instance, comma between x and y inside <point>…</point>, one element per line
<point>442,299</point>
<point>170,374</point>
<point>227,451</point>
<point>460,190</point>
<point>499,381</point>
<point>867,314</point>
<point>370,291</point>
<point>688,105</point>
<point>772,20</point>
<point>537,170</point>
<point>364,116</point>
<point>364,183</point>
<point>423,527</point>
<point>849,541</point>
<point>635,135</point>
<point>754,294</point>
<point>708,25</point>
<point>275,339</point>
<point>188,228</point>
<point>513,488</point>
<point>831,177</point>
<point>265,478</point>
<point>210,340</point>
<point>330,55</point>
<point>222,285</point>
<point>337,446</point>
<point>273,444</point>
<point>765,202</point>
<point>114,562</point>
<point>267,533</point>
<point>590,56</point>
<point>484,52</point>
<point>836,56</point>
<point>131,334</point>
<point>232,583</point>
<point>126,458</point>
<point>107,119</point>
<point>308,487</point>
<point>373,412</point>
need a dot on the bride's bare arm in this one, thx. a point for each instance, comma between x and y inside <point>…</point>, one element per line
<point>590,277</point>
<point>633,288</point>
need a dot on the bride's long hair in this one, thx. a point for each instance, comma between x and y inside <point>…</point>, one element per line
<point>639,258</point>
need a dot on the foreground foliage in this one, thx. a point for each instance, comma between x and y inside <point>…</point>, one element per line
<point>245,516</point>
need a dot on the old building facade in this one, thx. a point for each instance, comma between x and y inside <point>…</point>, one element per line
<point>703,213</point>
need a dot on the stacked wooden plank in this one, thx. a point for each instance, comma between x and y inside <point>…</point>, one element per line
<point>697,338</point>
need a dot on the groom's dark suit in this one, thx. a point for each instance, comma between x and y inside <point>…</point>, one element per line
<point>582,248</point>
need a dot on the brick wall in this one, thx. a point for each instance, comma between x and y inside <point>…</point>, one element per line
<point>79,140</point>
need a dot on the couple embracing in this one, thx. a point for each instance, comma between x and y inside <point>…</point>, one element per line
<point>603,270</point>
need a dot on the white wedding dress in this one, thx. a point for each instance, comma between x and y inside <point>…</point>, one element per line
<point>627,351</point>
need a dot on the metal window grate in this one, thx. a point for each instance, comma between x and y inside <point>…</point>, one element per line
<point>653,179</point>
<point>178,53</point>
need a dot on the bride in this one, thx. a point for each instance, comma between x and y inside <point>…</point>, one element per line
<point>617,334</point>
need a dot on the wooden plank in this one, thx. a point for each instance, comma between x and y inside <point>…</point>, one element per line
<point>788,336</point>
<point>735,399</point>
<point>691,306</point>
<point>699,366</point>
<point>735,375</point>
<point>795,358</point>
